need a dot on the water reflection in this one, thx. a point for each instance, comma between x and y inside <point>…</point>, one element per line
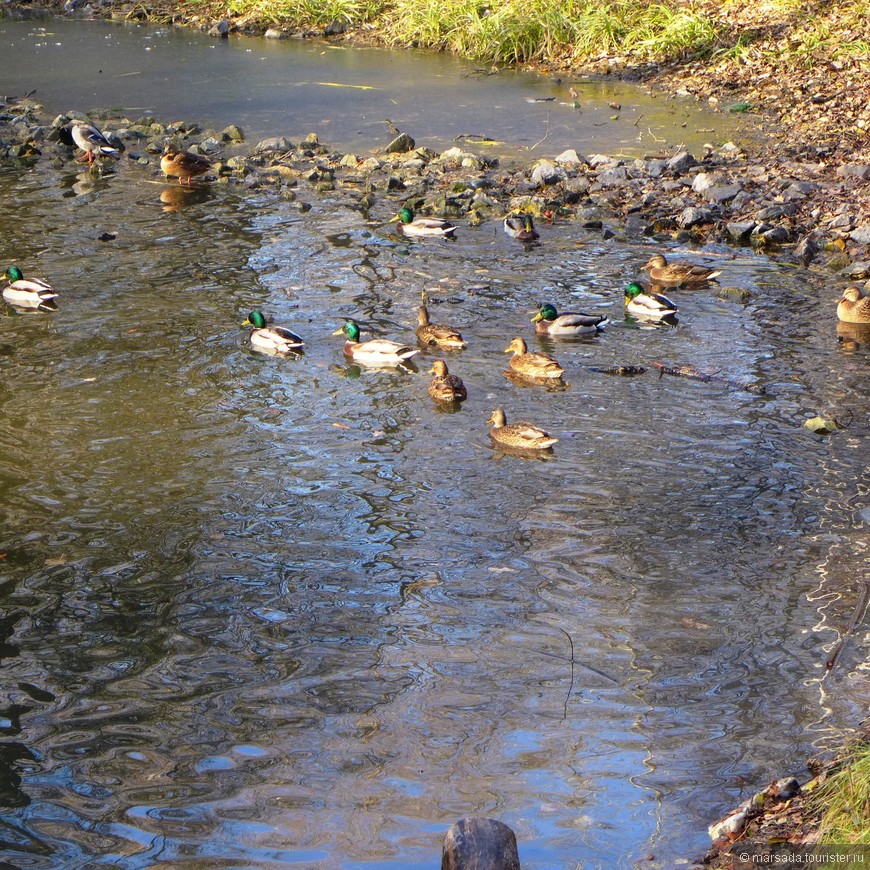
<point>265,610</point>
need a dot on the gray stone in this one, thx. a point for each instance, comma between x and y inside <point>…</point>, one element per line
<point>705,180</point>
<point>854,170</point>
<point>806,250</point>
<point>655,168</point>
<point>274,33</point>
<point>740,231</point>
<point>773,236</point>
<point>722,193</point>
<point>842,222</point>
<point>614,177</point>
<point>402,143</point>
<point>221,29</point>
<point>598,160</point>
<point>275,143</point>
<point>570,158</point>
<point>769,213</point>
<point>681,162</point>
<point>547,173</point>
<point>693,216</point>
<point>861,234</point>
<point>861,269</point>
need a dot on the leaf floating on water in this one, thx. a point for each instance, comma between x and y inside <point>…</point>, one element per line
<point>821,425</point>
<point>342,426</point>
<point>354,87</point>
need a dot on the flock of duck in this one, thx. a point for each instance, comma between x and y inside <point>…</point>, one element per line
<point>445,388</point>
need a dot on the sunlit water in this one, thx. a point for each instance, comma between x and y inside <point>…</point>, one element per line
<point>261,612</point>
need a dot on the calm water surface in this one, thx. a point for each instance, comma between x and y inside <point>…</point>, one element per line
<point>262,612</point>
<point>294,87</point>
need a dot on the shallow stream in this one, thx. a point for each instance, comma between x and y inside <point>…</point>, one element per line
<point>262,612</point>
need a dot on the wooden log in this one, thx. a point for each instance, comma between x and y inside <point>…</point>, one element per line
<point>479,844</point>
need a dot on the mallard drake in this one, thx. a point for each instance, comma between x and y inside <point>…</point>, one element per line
<point>532,365</point>
<point>377,352</point>
<point>548,322</point>
<point>643,304</point>
<point>519,435</point>
<point>272,339</point>
<point>92,141</point>
<point>520,226</point>
<point>437,334</point>
<point>674,274</point>
<point>423,226</point>
<point>183,165</point>
<point>446,388</point>
<point>27,292</point>
<point>854,306</point>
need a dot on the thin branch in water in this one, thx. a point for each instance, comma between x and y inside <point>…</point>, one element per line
<point>571,687</point>
<point>857,617</point>
<point>545,134</point>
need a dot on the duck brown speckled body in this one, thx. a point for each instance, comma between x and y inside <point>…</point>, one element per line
<point>437,334</point>
<point>674,274</point>
<point>446,388</point>
<point>854,306</point>
<point>519,435</point>
<point>183,165</point>
<point>532,365</point>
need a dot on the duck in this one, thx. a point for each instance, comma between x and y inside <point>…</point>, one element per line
<point>423,226</point>
<point>520,226</point>
<point>183,165</point>
<point>519,435</point>
<point>92,141</point>
<point>272,339</point>
<point>854,306</point>
<point>437,334</point>
<point>377,352</point>
<point>548,322</point>
<point>27,292</point>
<point>651,305</point>
<point>674,274</point>
<point>446,388</point>
<point>532,365</point>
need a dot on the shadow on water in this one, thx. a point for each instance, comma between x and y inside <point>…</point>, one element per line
<point>261,611</point>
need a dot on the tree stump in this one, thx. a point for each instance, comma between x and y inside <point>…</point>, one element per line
<point>479,844</point>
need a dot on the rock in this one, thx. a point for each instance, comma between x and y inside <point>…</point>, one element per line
<point>273,33</point>
<point>402,143</point>
<point>693,216</point>
<point>335,28</point>
<point>614,177</point>
<point>221,29</point>
<point>858,270</point>
<point>861,234</point>
<point>854,170</point>
<point>771,236</point>
<point>569,157</point>
<point>233,133</point>
<point>275,143</point>
<point>806,250</point>
<point>769,213</point>
<point>703,181</point>
<point>311,139</point>
<point>681,162</point>
<point>547,173</point>
<point>598,160</point>
<point>740,231</point>
<point>722,192</point>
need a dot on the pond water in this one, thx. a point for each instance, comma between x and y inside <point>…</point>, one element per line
<point>263,612</point>
<point>294,87</point>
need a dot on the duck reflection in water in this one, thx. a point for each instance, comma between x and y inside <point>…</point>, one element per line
<point>178,198</point>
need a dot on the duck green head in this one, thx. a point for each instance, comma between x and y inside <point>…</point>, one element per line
<point>13,273</point>
<point>256,319</point>
<point>350,329</point>
<point>633,290</point>
<point>406,215</point>
<point>545,312</point>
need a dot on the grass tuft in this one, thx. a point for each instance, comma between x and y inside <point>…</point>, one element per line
<point>844,800</point>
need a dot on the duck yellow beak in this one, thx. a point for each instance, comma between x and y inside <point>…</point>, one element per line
<point>392,220</point>
<point>339,331</point>
<point>508,350</point>
<point>247,322</point>
<point>537,317</point>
